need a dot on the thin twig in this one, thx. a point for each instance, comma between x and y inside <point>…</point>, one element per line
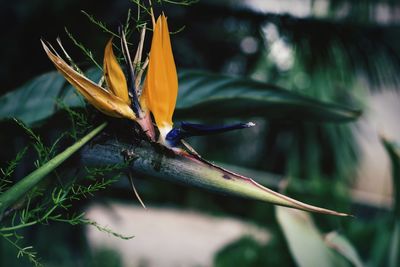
<point>139,51</point>
<point>134,189</point>
<point>73,64</point>
<point>138,81</point>
<point>102,25</point>
<point>153,19</point>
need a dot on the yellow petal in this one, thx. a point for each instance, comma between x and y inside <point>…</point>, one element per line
<point>114,75</point>
<point>104,101</point>
<point>161,84</point>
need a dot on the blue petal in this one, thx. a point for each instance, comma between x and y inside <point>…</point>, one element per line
<point>187,129</point>
<point>201,129</point>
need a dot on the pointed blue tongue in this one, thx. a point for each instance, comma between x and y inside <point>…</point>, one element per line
<point>187,129</point>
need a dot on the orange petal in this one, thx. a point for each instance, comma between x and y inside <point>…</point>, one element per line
<point>114,75</point>
<point>104,101</point>
<point>157,92</point>
<point>161,85</point>
<point>172,77</point>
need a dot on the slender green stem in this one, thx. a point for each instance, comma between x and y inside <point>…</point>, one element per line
<point>17,191</point>
<point>24,225</point>
<point>19,226</point>
<point>24,251</point>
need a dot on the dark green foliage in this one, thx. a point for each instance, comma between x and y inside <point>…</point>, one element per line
<point>204,95</point>
<point>40,206</point>
<point>247,252</point>
<point>393,150</point>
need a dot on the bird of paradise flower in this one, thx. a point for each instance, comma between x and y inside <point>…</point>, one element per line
<point>121,97</point>
<point>132,99</point>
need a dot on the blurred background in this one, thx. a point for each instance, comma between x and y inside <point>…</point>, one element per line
<point>340,51</point>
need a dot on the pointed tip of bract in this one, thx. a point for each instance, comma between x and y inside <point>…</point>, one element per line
<point>44,45</point>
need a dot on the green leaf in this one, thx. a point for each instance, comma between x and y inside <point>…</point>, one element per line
<point>305,242</point>
<point>205,95</point>
<point>33,101</point>
<point>18,190</point>
<point>393,150</point>
<point>340,244</point>
<point>37,99</point>
<point>201,96</point>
